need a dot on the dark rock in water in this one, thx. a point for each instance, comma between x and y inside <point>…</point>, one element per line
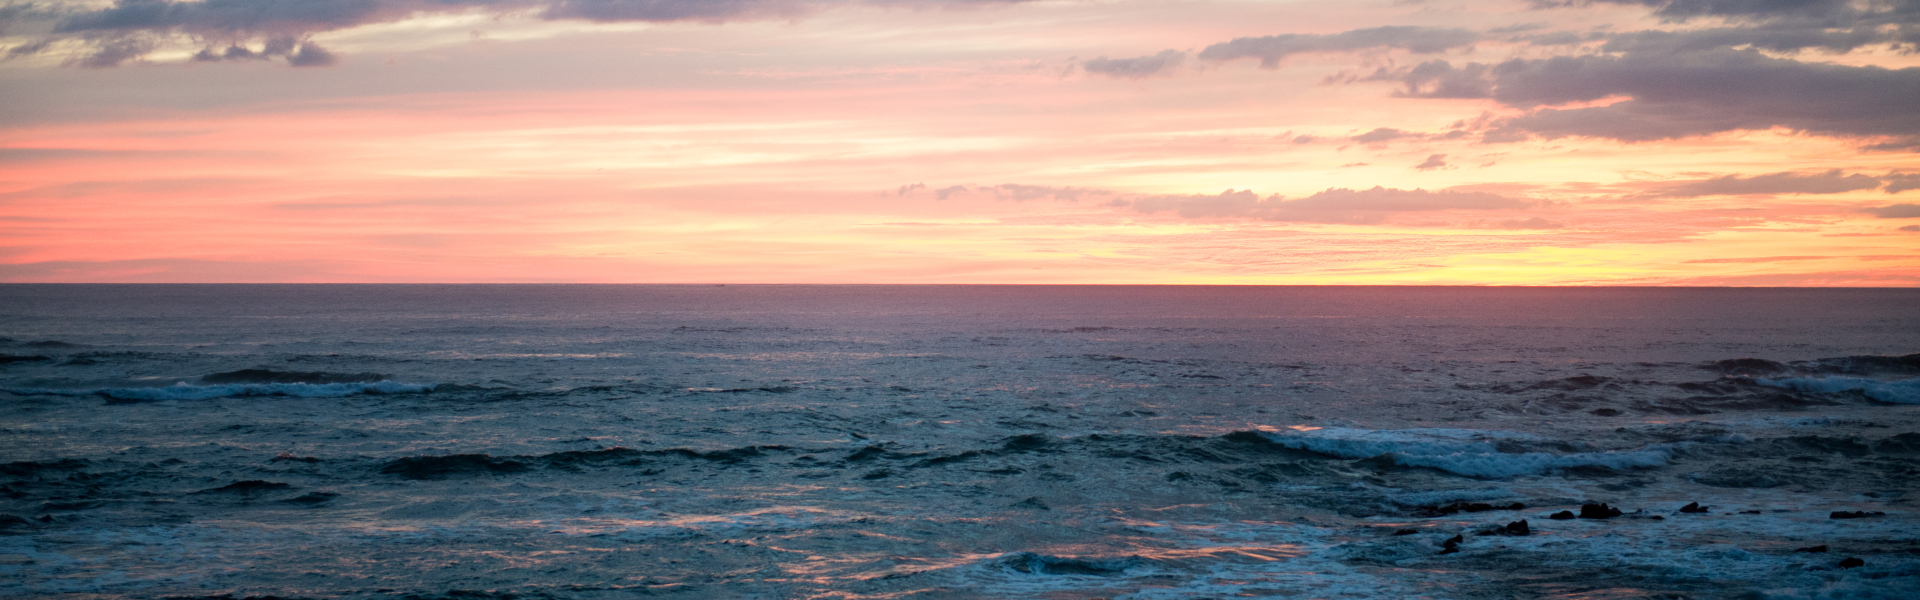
<point>1598,511</point>
<point>311,498</point>
<point>1851,563</point>
<point>1406,531</point>
<point>45,519</point>
<point>271,376</point>
<point>877,474</point>
<point>1694,508</point>
<point>1812,549</point>
<point>1467,507</point>
<point>251,486</point>
<point>1565,515</point>
<point>10,359</point>
<point>1607,412</point>
<point>53,344</point>
<point>1749,512</point>
<point>1033,502</point>
<point>288,457</point>
<point>1515,528</point>
<point>452,465</point>
<point>1452,545</point>
<point>1856,514</point>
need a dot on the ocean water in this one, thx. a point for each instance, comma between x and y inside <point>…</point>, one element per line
<point>957,442</point>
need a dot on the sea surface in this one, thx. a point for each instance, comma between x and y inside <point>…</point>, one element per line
<point>1056,442</point>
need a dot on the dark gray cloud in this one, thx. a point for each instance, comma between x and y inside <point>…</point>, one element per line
<point>110,53</point>
<point>1830,182</point>
<point>1900,182</point>
<point>1674,95</point>
<point>1137,67</point>
<point>1440,79</point>
<point>129,29</point>
<point>1896,211</point>
<point>1829,11</point>
<point>1270,49</point>
<point>1437,161</point>
<point>296,52</point>
<point>1336,205</point>
<point>1379,135</point>
<point>1777,25</point>
<point>1686,82</point>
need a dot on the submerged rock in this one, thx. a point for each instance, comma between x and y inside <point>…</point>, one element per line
<point>1598,511</point>
<point>1855,514</point>
<point>1565,515</point>
<point>1812,549</point>
<point>1515,528</point>
<point>1695,508</point>
<point>1851,563</point>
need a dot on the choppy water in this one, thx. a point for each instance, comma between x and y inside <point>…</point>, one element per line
<point>956,442</point>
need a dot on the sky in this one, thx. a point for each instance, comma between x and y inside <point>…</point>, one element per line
<point>1399,142</point>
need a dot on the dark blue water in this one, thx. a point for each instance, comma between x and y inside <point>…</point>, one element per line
<point>955,441</point>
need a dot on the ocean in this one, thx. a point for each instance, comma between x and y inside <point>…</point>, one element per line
<point>869,442</point>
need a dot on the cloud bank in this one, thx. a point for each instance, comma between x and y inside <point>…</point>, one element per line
<point>229,29</point>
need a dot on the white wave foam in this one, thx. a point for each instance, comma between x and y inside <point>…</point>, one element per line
<point>1461,452</point>
<point>1905,391</point>
<point>183,391</point>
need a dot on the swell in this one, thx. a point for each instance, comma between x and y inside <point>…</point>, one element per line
<point>1744,384</point>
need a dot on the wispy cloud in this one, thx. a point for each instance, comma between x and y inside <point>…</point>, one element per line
<point>1271,49</point>
<point>1138,67</point>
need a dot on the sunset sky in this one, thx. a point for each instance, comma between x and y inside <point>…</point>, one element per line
<point>1611,142</point>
